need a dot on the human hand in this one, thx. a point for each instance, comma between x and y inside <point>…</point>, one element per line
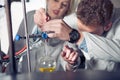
<point>58,28</point>
<point>40,17</point>
<point>69,55</point>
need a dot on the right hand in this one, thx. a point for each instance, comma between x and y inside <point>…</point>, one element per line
<point>40,17</point>
<point>57,28</point>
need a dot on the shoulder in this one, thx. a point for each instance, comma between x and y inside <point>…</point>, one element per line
<point>114,31</point>
<point>117,22</point>
<point>116,14</point>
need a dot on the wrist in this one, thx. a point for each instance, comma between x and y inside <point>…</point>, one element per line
<point>80,39</point>
<point>74,36</point>
<point>72,67</point>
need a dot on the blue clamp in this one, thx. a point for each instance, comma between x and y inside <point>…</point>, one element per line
<point>18,37</point>
<point>44,35</point>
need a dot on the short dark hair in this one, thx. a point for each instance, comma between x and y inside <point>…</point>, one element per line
<point>95,12</point>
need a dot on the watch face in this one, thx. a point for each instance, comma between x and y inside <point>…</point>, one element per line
<point>74,36</point>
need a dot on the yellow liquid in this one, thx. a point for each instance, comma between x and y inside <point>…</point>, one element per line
<point>51,69</point>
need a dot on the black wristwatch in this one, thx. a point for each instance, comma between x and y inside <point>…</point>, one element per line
<point>74,36</point>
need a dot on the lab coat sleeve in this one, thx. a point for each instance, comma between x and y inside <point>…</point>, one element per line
<point>71,20</point>
<point>107,48</point>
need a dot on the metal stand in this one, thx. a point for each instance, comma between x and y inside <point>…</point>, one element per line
<point>27,36</point>
<point>12,66</point>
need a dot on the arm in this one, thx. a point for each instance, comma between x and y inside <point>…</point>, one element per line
<point>106,48</point>
<point>102,48</point>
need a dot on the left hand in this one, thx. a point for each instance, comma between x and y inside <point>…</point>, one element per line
<point>69,55</point>
<point>58,28</point>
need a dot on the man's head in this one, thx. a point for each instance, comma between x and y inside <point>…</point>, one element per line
<point>94,15</point>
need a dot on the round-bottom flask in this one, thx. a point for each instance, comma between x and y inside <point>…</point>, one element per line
<point>47,64</point>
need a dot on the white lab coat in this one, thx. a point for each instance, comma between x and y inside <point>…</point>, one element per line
<point>104,52</point>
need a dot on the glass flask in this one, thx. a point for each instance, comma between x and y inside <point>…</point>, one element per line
<point>46,63</point>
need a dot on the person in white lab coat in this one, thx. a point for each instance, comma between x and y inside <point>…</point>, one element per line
<point>99,38</point>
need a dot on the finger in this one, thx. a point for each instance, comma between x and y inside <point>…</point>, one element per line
<point>53,25</point>
<point>64,50</point>
<point>35,18</point>
<point>63,54</point>
<point>42,10</point>
<point>52,35</point>
<point>75,57</point>
<point>71,56</point>
<point>48,17</point>
<point>68,52</point>
<point>45,15</point>
<point>38,19</point>
<point>42,14</point>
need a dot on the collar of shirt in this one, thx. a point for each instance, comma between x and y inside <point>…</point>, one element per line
<point>83,46</point>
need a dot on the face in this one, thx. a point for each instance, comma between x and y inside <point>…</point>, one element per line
<point>57,8</point>
<point>92,29</point>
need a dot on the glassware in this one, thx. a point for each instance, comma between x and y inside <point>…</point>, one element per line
<point>46,63</point>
